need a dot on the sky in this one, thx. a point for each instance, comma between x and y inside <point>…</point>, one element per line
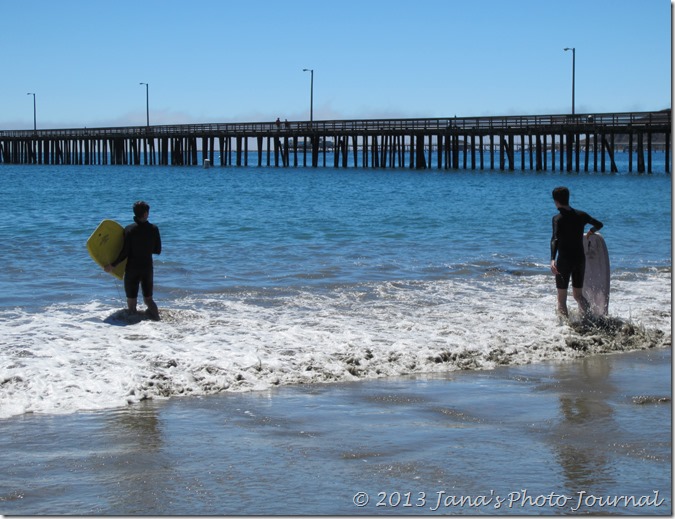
<point>242,61</point>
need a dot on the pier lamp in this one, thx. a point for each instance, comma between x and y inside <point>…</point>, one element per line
<point>34,111</point>
<point>147,103</point>
<point>311,94</point>
<point>573,72</point>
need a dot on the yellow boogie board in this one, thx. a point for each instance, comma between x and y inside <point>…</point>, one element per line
<point>105,244</point>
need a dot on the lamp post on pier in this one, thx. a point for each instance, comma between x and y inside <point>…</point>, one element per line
<point>34,111</point>
<point>573,72</point>
<point>147,103</point>
<point>311,95</point>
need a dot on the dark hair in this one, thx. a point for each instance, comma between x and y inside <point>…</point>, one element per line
<point>140,208</point>
<point>561,195</point>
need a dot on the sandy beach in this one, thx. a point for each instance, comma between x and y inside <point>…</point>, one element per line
<point>587,436</point>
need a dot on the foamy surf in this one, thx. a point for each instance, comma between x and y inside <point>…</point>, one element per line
<point>68,358</point>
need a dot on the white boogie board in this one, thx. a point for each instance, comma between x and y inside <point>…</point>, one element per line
<point>596,278</point>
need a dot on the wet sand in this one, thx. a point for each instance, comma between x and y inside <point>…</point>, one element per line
<point>589,436</point>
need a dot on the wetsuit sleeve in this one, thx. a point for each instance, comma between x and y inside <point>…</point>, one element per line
<point>597,224</point>
<point>158,242</point>
<point>554,239</point>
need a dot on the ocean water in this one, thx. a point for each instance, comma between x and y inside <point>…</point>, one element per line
<point>280,276</point>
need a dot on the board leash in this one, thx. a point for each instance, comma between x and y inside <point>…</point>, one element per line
<point>118,282</point>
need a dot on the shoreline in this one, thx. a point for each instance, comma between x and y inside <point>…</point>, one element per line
<point>597,426</point>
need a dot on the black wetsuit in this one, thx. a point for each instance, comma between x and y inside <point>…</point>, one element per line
<point>141,241</point>
<point>567,243</point>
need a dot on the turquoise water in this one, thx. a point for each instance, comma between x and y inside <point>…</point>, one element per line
<point>275,276</point>
<point>284,294</point>
<point>225,229</point>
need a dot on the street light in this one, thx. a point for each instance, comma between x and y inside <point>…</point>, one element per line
<point>147,103</point>
<point>311,94</point>
<point>574,57</point>
<point>34,111</point>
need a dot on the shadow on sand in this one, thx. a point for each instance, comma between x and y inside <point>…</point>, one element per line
<point>125,318</point>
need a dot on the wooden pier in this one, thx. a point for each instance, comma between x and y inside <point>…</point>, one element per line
<point>581,142</point>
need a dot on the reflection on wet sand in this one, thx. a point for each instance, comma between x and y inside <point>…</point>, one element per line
<point>583,406</point>
<point>573,429</point>
<point>139,466</point>
<point>603,434</point>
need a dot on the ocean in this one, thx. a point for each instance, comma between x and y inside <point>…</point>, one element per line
<point>274,278</point>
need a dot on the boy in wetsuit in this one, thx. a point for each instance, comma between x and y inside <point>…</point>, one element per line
<point>567,243</point>
<point>141,241</point>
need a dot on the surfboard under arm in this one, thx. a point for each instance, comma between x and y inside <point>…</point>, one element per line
<point>105,244</point>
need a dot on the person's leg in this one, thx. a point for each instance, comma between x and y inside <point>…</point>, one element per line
<point>131,281</point>
<point>562,302</point>
<point>578,295</point>
<point>577,286</point>
<point>147,282</point>
<point>152,310</point>
<point>562,283</point>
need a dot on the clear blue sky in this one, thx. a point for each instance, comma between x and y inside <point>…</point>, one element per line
<point>227,60</point>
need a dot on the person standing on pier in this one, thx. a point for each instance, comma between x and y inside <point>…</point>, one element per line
<point>141,241</point>
<point>567,244</point>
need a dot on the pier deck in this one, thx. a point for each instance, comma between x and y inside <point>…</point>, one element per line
<point>564,142</point>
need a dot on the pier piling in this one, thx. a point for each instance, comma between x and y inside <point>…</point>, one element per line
<point>441,143</point>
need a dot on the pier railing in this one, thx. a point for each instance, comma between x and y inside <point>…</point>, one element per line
<point>611,121</point>
<point>381,142</point>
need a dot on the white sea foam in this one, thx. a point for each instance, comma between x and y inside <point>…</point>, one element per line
<point>78,357</point>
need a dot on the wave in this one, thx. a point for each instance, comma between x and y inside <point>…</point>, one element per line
<point>71,357</point>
